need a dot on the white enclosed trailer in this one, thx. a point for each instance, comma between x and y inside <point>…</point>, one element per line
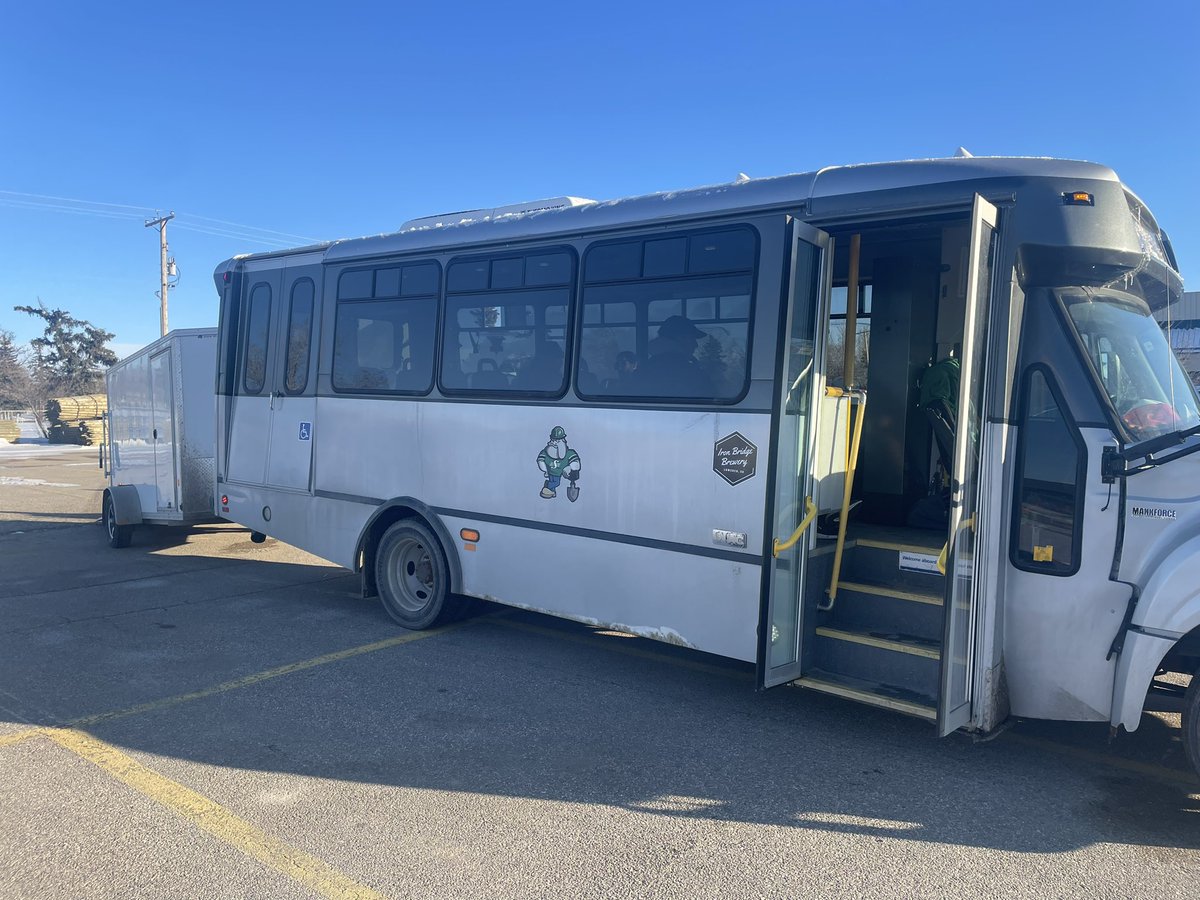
<point>160,435</point>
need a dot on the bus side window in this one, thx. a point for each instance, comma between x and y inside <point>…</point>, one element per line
<point>258,327</point>
<point>668,318</point>
<point>299,336</point>
<point>1051,468</point>
<point>506,324</point>
<point>385,329</point>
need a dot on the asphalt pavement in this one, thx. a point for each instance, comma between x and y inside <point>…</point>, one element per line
<point>200,716</point>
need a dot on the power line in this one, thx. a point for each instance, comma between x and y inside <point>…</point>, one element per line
<point>76,206</point>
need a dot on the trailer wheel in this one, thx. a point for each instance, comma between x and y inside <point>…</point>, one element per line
<point>412,576</point>
<point>118,535</point>
<point>1191,722</point>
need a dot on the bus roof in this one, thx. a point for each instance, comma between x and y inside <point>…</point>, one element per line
<point>533,220</point>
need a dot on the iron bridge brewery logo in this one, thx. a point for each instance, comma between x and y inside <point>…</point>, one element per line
<point>558,461</point>
<point>734,458</point>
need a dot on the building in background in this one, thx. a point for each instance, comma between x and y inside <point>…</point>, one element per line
<point>1184,332</point>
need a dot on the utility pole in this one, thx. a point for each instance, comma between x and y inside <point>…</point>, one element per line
<point>161,222</point>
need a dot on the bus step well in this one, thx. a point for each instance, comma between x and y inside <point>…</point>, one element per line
<point>872,693</point>
<point>883,637</point>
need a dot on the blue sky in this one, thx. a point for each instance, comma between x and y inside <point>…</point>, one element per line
<point>336,120</point>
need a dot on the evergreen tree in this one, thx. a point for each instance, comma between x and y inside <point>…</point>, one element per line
<point>71,355</point>
<point>15,380</point>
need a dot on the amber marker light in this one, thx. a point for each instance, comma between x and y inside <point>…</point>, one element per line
<point>1078,198</point>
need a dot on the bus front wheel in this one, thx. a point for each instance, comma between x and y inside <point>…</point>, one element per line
<point>412,576</point>
<point>1191,722</point>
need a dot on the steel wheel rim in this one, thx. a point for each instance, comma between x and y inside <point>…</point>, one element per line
<point>110,521</point>
<point>411,575</point>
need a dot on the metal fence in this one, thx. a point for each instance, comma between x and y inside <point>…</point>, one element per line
<point>16,413</point>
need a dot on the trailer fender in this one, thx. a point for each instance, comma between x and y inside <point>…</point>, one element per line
<point>1168,609</point>
<point>127,506</point>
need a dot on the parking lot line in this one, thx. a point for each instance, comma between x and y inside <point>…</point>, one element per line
<point>16,737</point>
<point>260,677</point>
<point>213,818</point>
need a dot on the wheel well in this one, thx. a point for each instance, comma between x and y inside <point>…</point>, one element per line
<point>385,518</point>
<point>1185,655</point>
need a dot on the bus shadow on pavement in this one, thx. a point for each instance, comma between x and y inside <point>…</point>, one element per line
<point>517,705</point>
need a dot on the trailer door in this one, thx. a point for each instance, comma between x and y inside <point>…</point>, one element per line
<point>780,629</point>
<point>967,519</point>
<point>162,412</point>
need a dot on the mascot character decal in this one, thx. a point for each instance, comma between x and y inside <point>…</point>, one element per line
<point>558,461</point>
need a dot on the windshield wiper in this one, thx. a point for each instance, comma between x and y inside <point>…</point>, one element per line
<point>1113,461</point>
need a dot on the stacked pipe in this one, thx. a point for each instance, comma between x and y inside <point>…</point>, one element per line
<point>10,430</point>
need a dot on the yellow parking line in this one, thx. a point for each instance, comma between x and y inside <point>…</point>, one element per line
<point>16,737</point>
<point>213,818</point>
<point>260,677</point>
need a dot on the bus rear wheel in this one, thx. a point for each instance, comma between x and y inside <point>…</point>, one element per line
<point>1191,722</point>
<point>412,576</point>
<point>118,535</point>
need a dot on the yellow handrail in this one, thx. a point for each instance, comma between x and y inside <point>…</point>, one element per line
<point>810,513</point>
<point>860,398</point>
<point>941,560</point>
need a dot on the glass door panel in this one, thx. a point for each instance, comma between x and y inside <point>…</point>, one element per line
<point>966,519</point>
<point>780,643</point>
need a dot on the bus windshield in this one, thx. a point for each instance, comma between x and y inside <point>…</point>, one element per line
<point>1133,360</point>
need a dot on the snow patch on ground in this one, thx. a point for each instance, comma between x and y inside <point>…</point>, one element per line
<point>15,481</point>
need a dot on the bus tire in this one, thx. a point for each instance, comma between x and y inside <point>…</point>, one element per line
<point>1190,721</point>
<point>118,535</point>
<point>413,577</point>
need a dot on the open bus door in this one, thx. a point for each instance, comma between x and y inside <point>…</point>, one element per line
<point>967,519</point>
<point>781,626</point>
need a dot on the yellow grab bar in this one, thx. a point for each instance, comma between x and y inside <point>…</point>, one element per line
<point>858,398</point>
<point>810,513</point>
<point>941,560</point>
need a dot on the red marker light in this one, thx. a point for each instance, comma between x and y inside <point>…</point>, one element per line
<point>224,500</point>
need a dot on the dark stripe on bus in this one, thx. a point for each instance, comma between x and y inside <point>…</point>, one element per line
<point>671,546</point>
<point>612,537</point>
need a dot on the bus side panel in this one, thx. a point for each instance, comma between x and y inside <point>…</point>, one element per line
<point>649,500</point>
<point>704,603</point>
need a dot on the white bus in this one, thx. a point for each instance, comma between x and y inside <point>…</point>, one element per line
<point>758,419</point>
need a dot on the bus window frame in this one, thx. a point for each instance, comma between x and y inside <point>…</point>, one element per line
<point>437,297</point>
<point>572,288</point>
<point>644,238</point>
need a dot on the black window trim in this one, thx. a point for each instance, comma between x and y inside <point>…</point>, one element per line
<point>572,287</point>
<point>1019,468</point>
<point>246,338</point>
<point>753,271</point>
<point>287,346</point>
<point>374,266</point>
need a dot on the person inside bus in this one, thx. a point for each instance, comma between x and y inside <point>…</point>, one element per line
<point>672,369</point>
<point>544,370</point>
<point>624,379</point>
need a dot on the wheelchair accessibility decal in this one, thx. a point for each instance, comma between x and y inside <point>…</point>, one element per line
<point>558,461</point>
<point>305,431</point>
